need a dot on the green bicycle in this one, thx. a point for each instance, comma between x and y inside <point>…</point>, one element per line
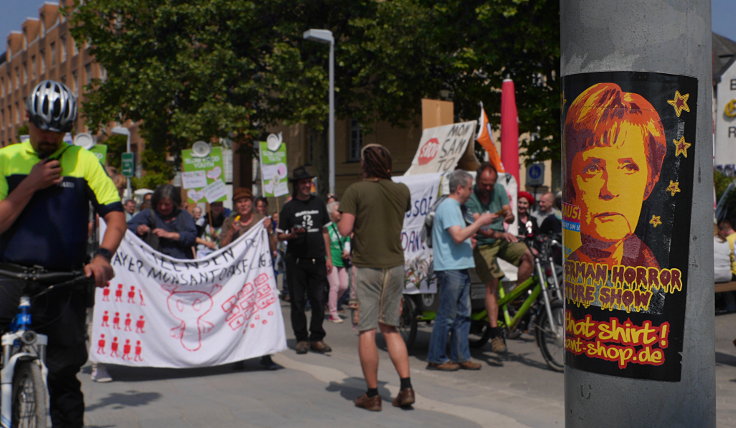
<point>534,304</point>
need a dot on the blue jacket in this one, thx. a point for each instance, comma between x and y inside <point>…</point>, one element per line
<point>180,221</point>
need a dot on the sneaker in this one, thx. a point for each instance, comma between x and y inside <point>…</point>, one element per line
<point>469,365</point>
<point>447,366</point>
<point>369,403</point>
<point>302,347</point>
<point>320,346</point>
<point>336,319</point>
<point>405,398</point>
<point>498,345</point>
<point>100,374</point>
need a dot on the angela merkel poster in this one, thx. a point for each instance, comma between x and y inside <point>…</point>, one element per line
<point>628,143</point>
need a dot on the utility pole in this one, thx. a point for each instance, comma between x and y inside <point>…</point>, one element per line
<point>639,343</point>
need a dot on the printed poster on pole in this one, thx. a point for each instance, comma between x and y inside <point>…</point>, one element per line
<point>629,142</point>
<point>203,177</point>
<point>274,173</point>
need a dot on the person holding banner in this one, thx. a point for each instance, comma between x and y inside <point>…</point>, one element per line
<point>243,219</point>
<point>46,188</point>
<point>493,242</point>
<point>302,223</point>
<point>374,210</point>
<point>166,227</point>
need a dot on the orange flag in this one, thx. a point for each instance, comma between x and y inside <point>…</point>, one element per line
<point>484,139</point>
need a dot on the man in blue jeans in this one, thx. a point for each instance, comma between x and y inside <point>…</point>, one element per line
<point>453,255</point>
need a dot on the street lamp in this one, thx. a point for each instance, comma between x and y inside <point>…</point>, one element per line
<point>325,36</point>
<point>125,131</point>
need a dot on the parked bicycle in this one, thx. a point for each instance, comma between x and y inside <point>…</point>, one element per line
<point>534,305</point>
<point>24,394</point>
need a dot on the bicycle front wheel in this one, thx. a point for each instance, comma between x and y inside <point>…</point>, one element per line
<point>29,396</point>
<point>408,321</point>
<point>552,342</point>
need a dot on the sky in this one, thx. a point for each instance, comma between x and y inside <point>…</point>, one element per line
<point>14,12</point>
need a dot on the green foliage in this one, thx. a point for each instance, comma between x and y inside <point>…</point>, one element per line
<point>198,70</point>
<point>116,145</point>
<point>23,130</point>
<point>720,182</point>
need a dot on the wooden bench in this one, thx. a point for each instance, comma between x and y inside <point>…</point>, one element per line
<point>722,287</point>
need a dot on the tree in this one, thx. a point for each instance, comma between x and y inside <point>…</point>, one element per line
<point>199,70</point>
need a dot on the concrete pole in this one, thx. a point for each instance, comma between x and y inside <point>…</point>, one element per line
<point>331,129</point>
<point>657,36</point>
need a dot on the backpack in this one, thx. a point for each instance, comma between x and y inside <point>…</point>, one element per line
<point>426,234</point>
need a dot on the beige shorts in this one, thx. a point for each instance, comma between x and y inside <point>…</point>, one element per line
<point>485,256</point>
<point>379,293</point>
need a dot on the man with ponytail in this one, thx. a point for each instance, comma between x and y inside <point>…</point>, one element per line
<point>373,210</point>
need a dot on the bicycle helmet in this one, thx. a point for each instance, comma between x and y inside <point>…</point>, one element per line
<point>52,106</point>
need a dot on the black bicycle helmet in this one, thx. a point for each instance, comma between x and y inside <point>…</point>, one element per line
<point>52,106</point>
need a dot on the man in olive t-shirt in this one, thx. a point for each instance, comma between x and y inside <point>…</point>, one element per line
<point>373,210</point>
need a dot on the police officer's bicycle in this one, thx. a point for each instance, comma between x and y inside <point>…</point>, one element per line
<point>24,395</point>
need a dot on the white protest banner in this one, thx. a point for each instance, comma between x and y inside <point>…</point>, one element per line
<point>165,312</point>
<point>424,190</point>
<point>441,148</point>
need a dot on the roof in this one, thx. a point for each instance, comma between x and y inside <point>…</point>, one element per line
<point>724,54</point>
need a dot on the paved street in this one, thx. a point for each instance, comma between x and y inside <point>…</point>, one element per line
<point>316,390</point>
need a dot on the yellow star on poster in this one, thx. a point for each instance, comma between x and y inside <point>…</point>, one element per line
<point>679,102</point>
<point>681,147</point>
<point>655,221</point>
<point>673,188</point>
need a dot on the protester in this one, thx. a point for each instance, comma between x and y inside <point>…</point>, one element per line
<point>524,205</point>
<point>146,203</point>
<point>302,223</point>
<point>166,227</point>
<point>46,188</point>
<point>452,255</point>
<point>340,253</point>
<point>262,206</point>
<point>129,208</point>
<point>545,207</point>
<point>493,242</point>
<point>373,210</point>
<point>214,220</point>
<point>727,300</point>
<point>237,224</point>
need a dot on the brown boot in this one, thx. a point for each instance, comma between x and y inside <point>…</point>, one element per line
<point>469,365</point>
<point>320,346</point>
<point>498,345</point>
<point>369,403</point>
<point>302,347</point>
<point>447,366</point>
<point>405,398</point>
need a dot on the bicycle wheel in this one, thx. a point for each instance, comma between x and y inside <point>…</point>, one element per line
<point>552,343</point>
<point>29,396</point>
<point>408,321</point>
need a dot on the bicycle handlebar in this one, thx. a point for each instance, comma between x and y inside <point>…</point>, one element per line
<point>68,279</point>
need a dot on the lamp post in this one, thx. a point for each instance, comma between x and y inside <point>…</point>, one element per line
<point>125,131</point>
<point>325,36</point>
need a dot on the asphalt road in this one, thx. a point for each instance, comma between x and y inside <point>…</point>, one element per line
<point>316,390</point>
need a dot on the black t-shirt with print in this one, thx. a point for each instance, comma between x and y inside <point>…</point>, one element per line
<point>311,215</point>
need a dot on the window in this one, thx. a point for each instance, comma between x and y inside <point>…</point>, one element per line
<point>43,63</point>
<point>87,73</point>
<point>73,83</point>
<point>355,142</point>
<point>52,48</point>
<point>62,48</point>
<point>25,73</point>
<point>33,66</point>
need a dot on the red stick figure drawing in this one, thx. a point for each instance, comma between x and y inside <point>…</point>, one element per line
<point>116,321</point>
<point>140,324</point>
<point>190,306</point>
<point>131,294</point>
<point>126,350</point>
<point>119,293</point>
<point>138,351</point>
<point>106,294</point>
<point>101,345</point>
<point>140,295</point>
<point>128,322</point>
<point>105,319</point>
<point>114,347</point>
